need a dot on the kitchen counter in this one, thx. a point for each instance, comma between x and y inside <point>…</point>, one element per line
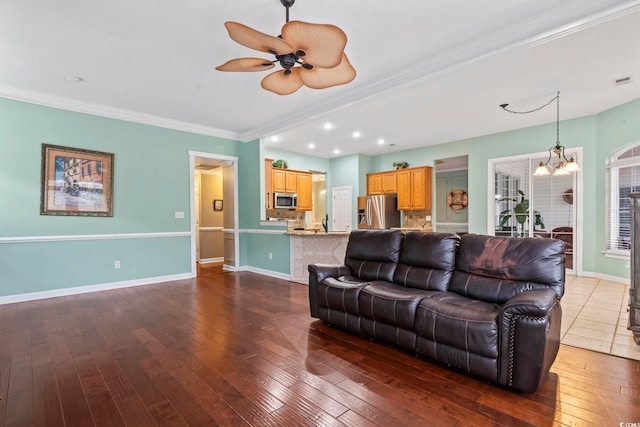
<point>318,234</point>
<point>308,247</point>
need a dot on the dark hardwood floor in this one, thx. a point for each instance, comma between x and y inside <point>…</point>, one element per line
<point>236,349</point>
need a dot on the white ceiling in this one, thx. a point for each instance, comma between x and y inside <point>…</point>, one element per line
<point>428,72</point>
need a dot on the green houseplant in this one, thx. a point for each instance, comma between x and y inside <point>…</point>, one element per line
<point>520,212</point>
<point>400,165</point>
<point>279,164</point>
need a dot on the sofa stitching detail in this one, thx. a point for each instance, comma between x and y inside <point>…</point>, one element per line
<point>326,296</point>
<point>454,317</point>
<point>405,275</point>
<point>378,271</point>
<point>512,340</point>
<point>466,285</point>
<point>395,321</point>
<point>498,290</point>
<point>344,307</point>
<point>466,344</point>
<point>429,279</point>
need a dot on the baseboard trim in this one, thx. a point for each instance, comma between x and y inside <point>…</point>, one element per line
<point>615,279</point>
<point>211,260</point>
<point>32,296</point>
<point>264,272</point>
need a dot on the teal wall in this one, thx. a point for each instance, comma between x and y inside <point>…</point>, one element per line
<point>345,172</point>
<point>617,128</point>
<point>600,136</point>
<point>151,182</point>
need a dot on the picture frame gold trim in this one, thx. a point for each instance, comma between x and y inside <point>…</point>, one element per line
<point>76,182</point>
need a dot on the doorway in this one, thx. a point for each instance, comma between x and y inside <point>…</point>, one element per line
<point>524,205</point>
<point>214,211</point>
<point>341,208</point>
<point>452,184</point>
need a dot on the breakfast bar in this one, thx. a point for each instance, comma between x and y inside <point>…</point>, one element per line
<point>311,247</point>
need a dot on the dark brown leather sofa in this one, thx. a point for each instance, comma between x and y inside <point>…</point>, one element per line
<point>487,305</point>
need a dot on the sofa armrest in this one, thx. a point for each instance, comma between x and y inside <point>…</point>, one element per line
<point>529,338</point>
<point>319,272</point>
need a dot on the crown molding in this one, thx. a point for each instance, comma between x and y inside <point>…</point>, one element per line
<point>113,113</point>
<point>423,70</point>
<point>435,66</point>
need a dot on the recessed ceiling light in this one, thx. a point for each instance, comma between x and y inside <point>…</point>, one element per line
<point>274,139</point>
<point>336,151</point>
<point>381,141</point>
<point>327,126</point>
<point>75,79</point>
<point>356,134</point>
<point>311,146</point>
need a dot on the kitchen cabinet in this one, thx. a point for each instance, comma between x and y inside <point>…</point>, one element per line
<point>268,183</point>
<point>292,181</point>
<point>283,180</point>
<point>381,183</point>
<point>414,188</point>
<point>304,190</point>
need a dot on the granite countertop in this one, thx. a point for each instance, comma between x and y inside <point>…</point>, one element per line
<point>319,233</point>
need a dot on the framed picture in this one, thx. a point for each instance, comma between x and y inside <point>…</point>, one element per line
<point>217,205</point>
<point>76,182</point>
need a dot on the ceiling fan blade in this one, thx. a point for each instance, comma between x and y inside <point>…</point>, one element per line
<point>246,64</point>
<point>254,39</point>
<point>323,44</point>
<point>283,84</point>
<point>321,78</point>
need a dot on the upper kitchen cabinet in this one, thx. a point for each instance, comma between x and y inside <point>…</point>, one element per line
<point>414,188</point>
<point>292,181</point>
<point>283,180</point>
<point>381,183</point>
<point>304,190</point>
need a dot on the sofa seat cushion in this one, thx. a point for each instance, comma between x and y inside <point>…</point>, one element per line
<point>336,294</point>
<point>390,303</point>
<point>456,321</point>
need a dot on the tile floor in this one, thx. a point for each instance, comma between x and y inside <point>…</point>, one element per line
<point>594,317</point>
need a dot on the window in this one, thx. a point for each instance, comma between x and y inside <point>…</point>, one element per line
<point>623,177</point>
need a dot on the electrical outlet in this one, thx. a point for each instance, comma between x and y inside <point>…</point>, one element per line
<point>116,264</point>
<point>270,255</point>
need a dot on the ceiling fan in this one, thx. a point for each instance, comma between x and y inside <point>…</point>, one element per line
<point>310,55</point>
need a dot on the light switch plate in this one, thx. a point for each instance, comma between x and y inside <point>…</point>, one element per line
<point>179,214</point>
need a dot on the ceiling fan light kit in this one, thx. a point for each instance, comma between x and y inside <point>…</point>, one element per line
<point>310,55</point>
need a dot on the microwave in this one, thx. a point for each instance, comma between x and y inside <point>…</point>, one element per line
<point>285,200</point>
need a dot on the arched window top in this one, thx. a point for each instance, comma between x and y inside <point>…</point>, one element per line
<point>627,156</point>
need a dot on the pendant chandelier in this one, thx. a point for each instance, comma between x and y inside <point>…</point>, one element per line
<point>557,163</point>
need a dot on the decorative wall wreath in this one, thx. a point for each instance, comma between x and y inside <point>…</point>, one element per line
<point>457,199</point>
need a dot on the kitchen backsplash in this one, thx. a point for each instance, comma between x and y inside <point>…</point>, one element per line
<point>285,214</point>
<point>416,219</point>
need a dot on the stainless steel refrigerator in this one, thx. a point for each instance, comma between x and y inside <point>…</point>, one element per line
<point>378,212</point>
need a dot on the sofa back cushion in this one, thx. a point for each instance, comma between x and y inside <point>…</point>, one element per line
<point>427,260</point>
<point>494,269</point>
<point>374,254</point>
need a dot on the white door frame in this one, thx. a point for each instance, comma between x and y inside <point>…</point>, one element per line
<point>578,235</point>
<point>192,205</point>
